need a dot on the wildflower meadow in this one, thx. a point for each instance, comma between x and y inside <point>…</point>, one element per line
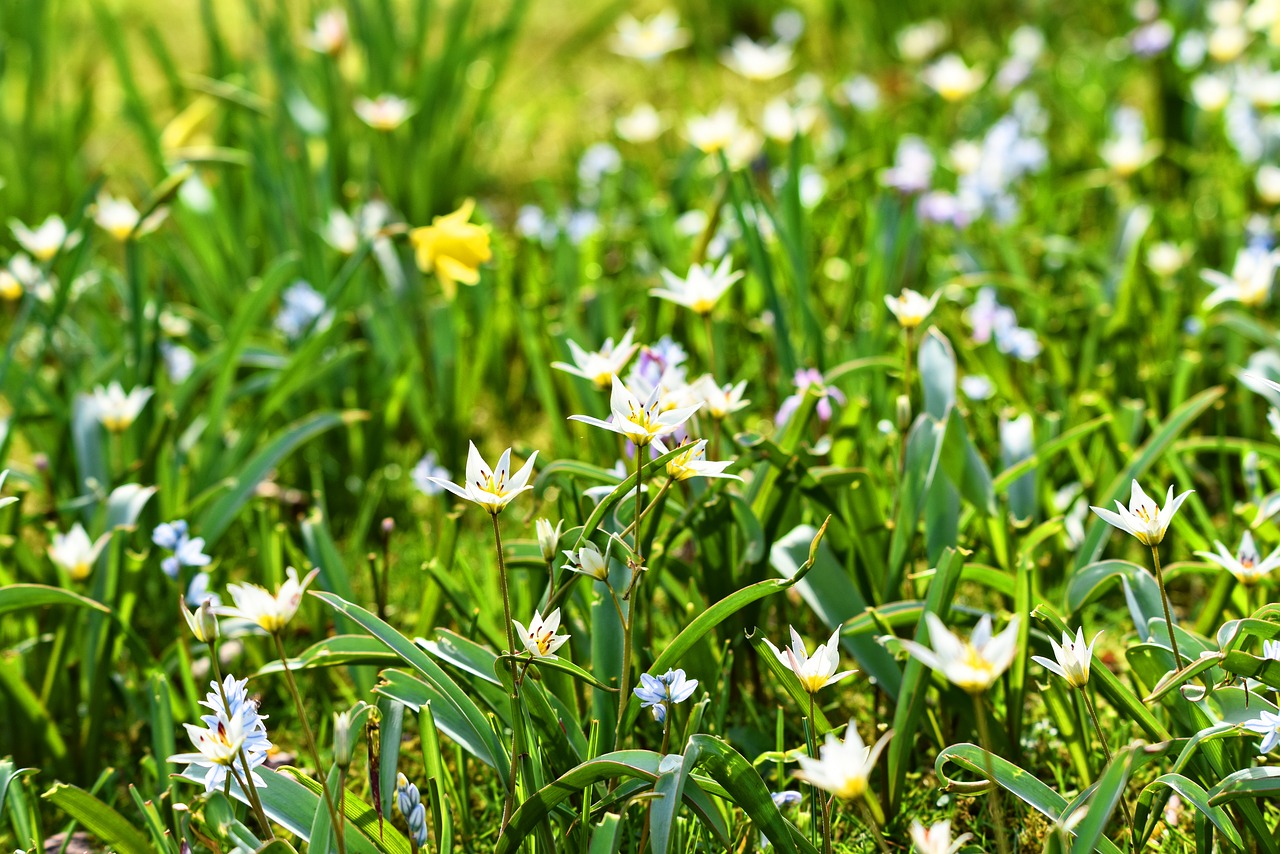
<point>804,426</point>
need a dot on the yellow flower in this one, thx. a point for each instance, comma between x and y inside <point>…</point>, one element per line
<point>452,248</point>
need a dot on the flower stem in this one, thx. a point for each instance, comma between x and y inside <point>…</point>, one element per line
<point>509,803</point>
<point>1106,752</point>
<point>988,748</point>
<point>502,582</point>
<point>811,745</point>
<point>652,504</point>
<point>311,742</point>
<point>711,343</point>
<point>1168,614</point>
<point>869,816</point>
<point>640,451</point>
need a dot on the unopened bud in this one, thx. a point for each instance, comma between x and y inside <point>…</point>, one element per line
<point>388,526</point>
<point>203,623</point>
<point>904,412</point>
<point>343,742</point>
<point>548,538</point>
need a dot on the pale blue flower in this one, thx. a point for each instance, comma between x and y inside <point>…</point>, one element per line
<point>409,803</point>
<point>233,735</point>
<point>187,550</point>
<point>1267,725</point>
<point>659,692</point>
<point>427,472</point>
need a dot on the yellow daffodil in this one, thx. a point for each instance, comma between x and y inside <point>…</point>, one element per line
<point>452,248</point>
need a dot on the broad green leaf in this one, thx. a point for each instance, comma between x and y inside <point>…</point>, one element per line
<point>107,825</point>
<point>1192,793</point>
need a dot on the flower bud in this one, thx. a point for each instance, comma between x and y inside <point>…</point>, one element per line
<point>548,538</point>
<point>343,741</point>
<point>904,412</point>
<point>203,623</point>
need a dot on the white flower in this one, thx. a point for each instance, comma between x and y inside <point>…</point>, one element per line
<point>756,61</point>
<point>602,365</point>
<point>1128,150</point>
<point>540,639</point>
<point>1165,259</point>
<point>330,33</point>
<point>842,767</point>
<point>720,401</point>
<point>75,552</point>
<point>691,462</point>
<point>120,219</point>
<point>649,41</point>
<point>588,561</point>
<point>385,113</point>
<point>8,499</point>
<point>937,839</point>
<point>1267,182</point>
<point>911,308</point>
<point>639,422</point>
<point>862,93</point>
<point>917,42</point>
<point>233,735</point>
<point>428,473</point>
<point>548,537</point>
<point>816,671</point>
<point>783,121</point>
<point>1143,517</point>
<point>977,386</point>
<point>951,78</point>
<point>974,664</point>
<point>45,241</point>
<point>643,124</point>
<point>1071,660</point>
<point>1251,278</point>
<point>1246,564</point>
<point>1267,725</point>
<point>702,288</point>
<point>117,411</point>
<point>271,612</point>
<point>1227,43</point>
<point>493,489</point>
<point>1210,92</point>
<point>913,165</point>
<point>714,132</point>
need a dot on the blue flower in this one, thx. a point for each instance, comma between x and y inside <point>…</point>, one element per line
<point>187,551</point>
<point>658,692</point>
<point>409,802</point>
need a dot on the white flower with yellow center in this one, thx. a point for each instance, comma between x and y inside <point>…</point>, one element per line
<point>974,664</point>
<point>1252,276</point>
<point>120,219</point>
<point>115,410</point>
<point>540,639</point>
<point>385,112</point>
<point>588,561</point>
<point>816,671</point>
<point>493,489</point>
<point>643,124</point>
<point>937,838</point>
<point>911,308</point>
<point>641,422</point>
<point>702,288</point>
<point>649,41</point>
<point>602,365</point>
<point>269,611</point>
<point>1165,258</point>
<point>75,552</point>
<point>842,767</point>
<point>330,33</point>
<point>1246,564</point>
<point>951,78</point>
<point>756,61</point>
<point>692,462</point>
<point>1071,660</point>
<point>715,132</point>
<point>1143,518</point>
<point>47,239</point>
<point>720,401</point>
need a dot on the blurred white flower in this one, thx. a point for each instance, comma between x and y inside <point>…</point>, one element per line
<point>548,537</point>
<point>119,218</point>
<point>974,664</point>
<point>912,169</point>
<point>75,552</point>
<point>1071,660</point>
<point>783,122</point>
<point>1143,518</point>
<point>269,611</point>
<point>977,387</point>
<point>599,366</point>
<point>649,41</point>
<point>1246,564</point>
<point>1267,182</point>
<point>302,306</point>
<point>757,61</point>
<point>47,239</point>
<point>842,767</point>
<point>911,308</point>
<point>701,288</point>
<point>491,489</point>
<point>918,42</point>
<point>385,112</point>
<point>1210,92</point>
<point>951,78</point>
<point>540,639</point>
<point>816,671</point>
<point>597,161</point>
<point>428,473</point>
<point>203,623</point>
<point>114,409</point>
<point>1251,277</point>
<point>1226,43</point>
<point>714,132</point>
<point>1165,258</point>
<point>862,93</point>
<point>1128,149</point>
<point>330,33</point>
<point>643,124</point>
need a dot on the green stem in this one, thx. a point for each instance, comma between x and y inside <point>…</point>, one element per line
<point>811,746</point>
<point>311,741</point>
<point>869,815</point>
<point>1106,751</point>
<point>502,582</point>
<point>513,779</point>
<point>988,749</point>
<point>640,452</point>
<point>1168,613</point>
<point>652,504</point>
<point>711,343</point>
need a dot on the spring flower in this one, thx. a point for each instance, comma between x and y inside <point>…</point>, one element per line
<point>120,219</point>
<point>913,165</point>
<point>692,462</point>
<point>384,113</point>
<point>649,41</point>
<point>203,622</point>
<point>588,561</point>
<point>11,288</point>
<point>720,401</point>
<point>428,474</point>
<point>1071,660</point>
<point>1267,183</point>
<point>977,387</point>
<point>5,501</point>
<point>330,34</point>
<point>657,693</point>
<point>452,247</point>
<point>1251,278</point>
<point>816,671</point>
<point>1165,258</point>
<point>917,42</point>
<point>643,124</point>
<point>755,61</point>
<point>493,489</point>
<point>952,79</point>
<point>271,612</point>
<point>1246,564</point>
<point>410,805</point>
<point>233,728</point>
<point>1128,150</point>
<point>116,410</point>
<point>842,767</point>
<point>217,749</point>
<point>1143,518</point>
<point>75,553</point>
<point>540,639</point>
<point>639,422</point>
<point>1211,92</point>
<point>302,307</point>
<point>198,591</point>
<point>936,839</point>
<point>47,239</point>
<point>548,537</point>
<point>702,288</point>
<point>910,307</point>
<point>187,551</point>
<point>974,664</point>
<point>806,379</point>
<point>714,132</point>
<point>602,365</point>
<point>1267,725</point>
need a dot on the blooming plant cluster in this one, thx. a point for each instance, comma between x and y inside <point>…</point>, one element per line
<point>423,423</point>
